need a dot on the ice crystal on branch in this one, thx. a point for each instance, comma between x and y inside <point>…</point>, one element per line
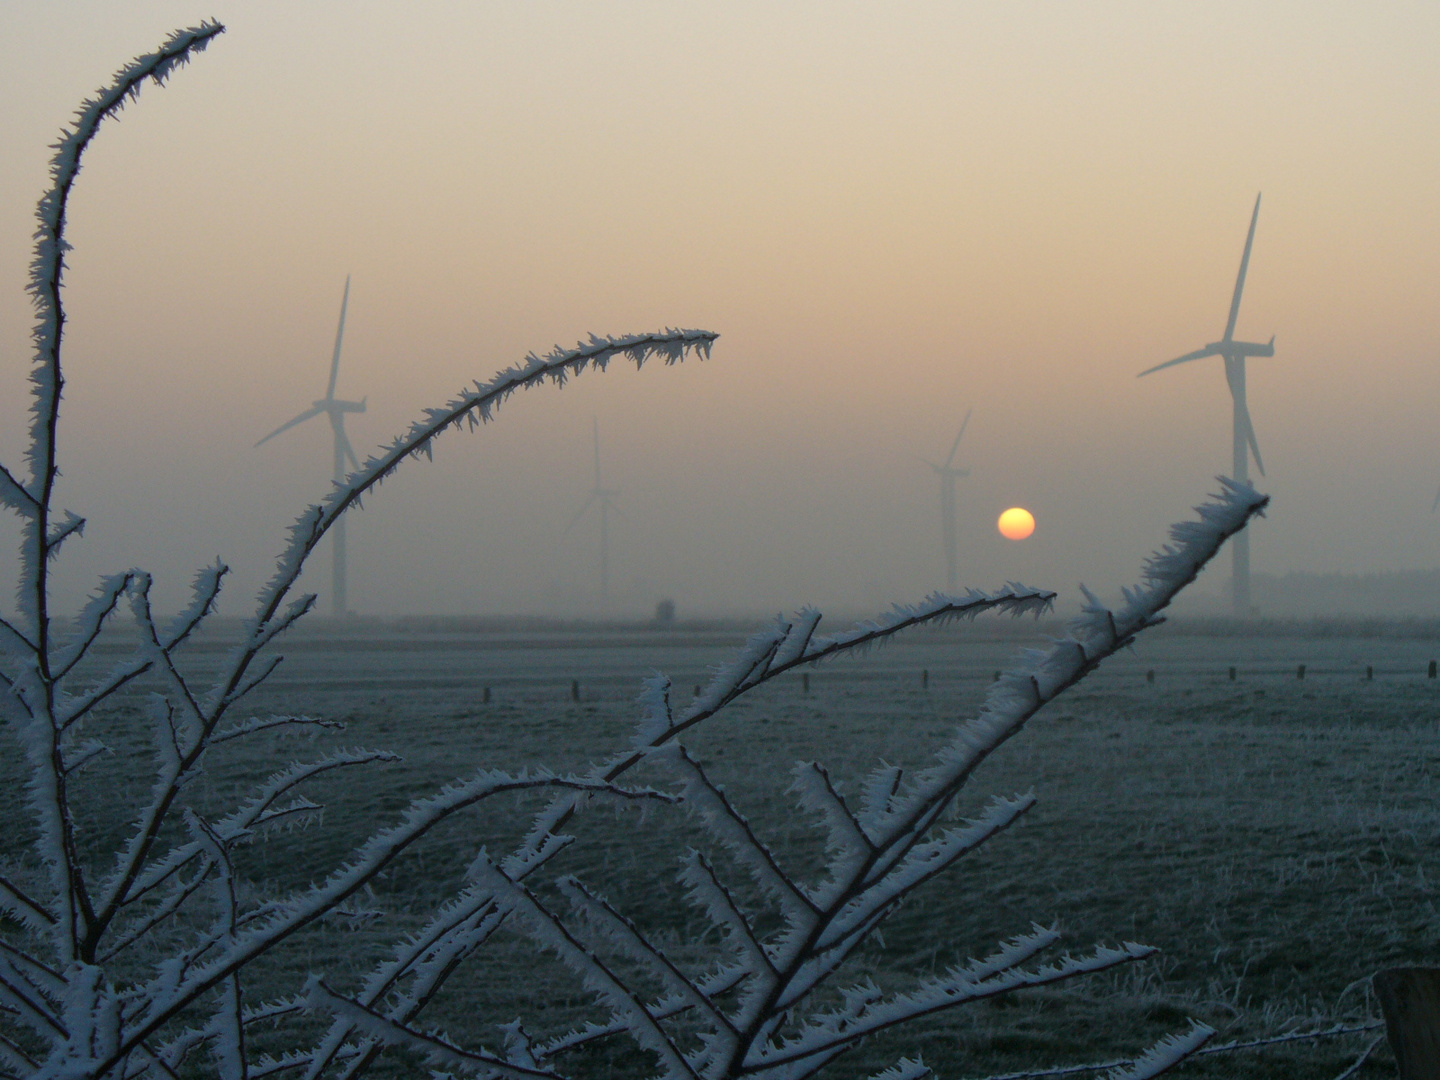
<point>136,944</point>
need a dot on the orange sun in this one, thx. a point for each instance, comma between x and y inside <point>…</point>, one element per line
<point>1016,523</point>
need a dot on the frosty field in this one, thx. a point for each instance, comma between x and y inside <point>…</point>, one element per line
<point>1276,838</point>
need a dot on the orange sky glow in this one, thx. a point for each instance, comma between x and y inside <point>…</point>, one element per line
<point>891,213</point>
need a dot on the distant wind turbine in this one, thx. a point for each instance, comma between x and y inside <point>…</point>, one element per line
<point>604,497</point>
<point>948,475</point>
<point>1234,353</point>
<point>336,409</point>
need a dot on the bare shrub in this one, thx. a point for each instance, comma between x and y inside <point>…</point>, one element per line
<point>134,944</point>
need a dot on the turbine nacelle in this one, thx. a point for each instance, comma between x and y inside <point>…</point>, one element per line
<point>945,470</point>
<point>336,405</point>
<point>1228,349</point>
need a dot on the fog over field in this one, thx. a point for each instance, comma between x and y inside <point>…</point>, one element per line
<point>892,214</point>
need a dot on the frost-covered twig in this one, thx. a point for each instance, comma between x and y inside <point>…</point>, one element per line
<point>81,899</point>
<point>91,916</point>
<point>1356,1065</point>
<point>1204,1051</point>
<point>472,407</point>
<point>439,1049</point>
<point>774,651</point>
<point>879,854</point>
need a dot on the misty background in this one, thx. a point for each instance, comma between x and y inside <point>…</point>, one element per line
<point>891,214</point>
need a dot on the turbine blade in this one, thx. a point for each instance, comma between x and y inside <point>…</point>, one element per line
<point>1240,280</point>
<point>1198,354</point>
<point>339,336</point>
<point>1437,503</point>
<point>344,440</point>
<point>579,514</point>
<point>1250,437</point>
<point>963,425</point>
<point>306,415</point>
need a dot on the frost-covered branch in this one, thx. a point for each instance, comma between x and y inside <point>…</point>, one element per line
<point>472,407</point>
<point>46,276</point>
<point>878,855</point>
<point>887,848</point>
<point>774,651</point>
<point>439,1049</point>
<point>128,948</point>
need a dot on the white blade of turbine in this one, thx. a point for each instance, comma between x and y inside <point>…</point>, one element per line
<point>579,514</point>
<point>339,336</point>
<point>1250,437</point>
<point>1198,354</point>
<point>1240,280</point>
<point>1234,371</point>
<point>963,425</point>
<point>1437,503</point>
<point>306,415</point>
<point>338,423</point>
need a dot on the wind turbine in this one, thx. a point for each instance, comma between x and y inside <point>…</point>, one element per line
<point>948,475</point>
<point>1234,353</point>
<point>604,497</point>
<point>336,409</point>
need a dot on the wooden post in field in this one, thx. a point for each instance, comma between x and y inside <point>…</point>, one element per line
<point>1300,672</point>
<point>574,689</point>
<point>1410,1000</point>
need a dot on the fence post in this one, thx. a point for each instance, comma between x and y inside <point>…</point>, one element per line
<point>1410,1000</point>
<point>574,689</point>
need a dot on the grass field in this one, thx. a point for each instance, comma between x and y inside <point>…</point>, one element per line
<point>1276,837</point>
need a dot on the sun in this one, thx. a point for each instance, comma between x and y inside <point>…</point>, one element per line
<point>1016,523</point>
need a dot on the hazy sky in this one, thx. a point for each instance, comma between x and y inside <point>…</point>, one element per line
<point>890,212</point>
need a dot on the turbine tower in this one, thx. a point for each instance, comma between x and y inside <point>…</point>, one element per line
<point>604,497</point>
<point>335,408</point>
<point>1234,353</point>
<point>948,475</point>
